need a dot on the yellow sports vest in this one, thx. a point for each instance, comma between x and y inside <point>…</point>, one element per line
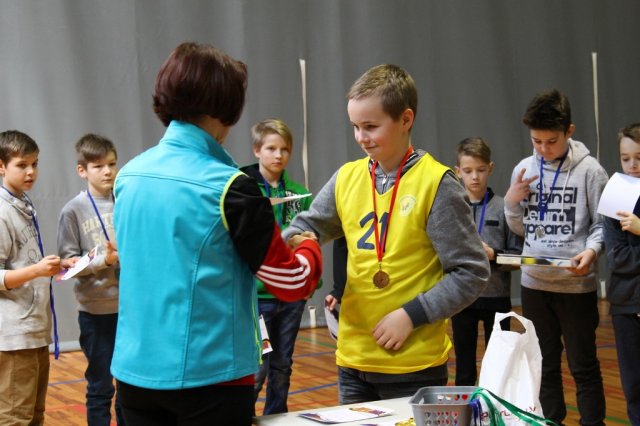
<point>409,259</point>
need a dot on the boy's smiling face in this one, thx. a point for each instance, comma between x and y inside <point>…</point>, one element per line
<point>383,139</point>
<point>20,173</point>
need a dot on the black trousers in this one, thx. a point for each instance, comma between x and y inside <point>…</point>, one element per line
<point>567,320</point>
<point>207,405</point>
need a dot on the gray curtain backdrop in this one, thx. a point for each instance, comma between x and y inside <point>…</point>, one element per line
<point>72,67</point>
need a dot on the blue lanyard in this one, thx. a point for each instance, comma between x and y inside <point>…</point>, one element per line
<point>56,340</point>
<point>279,208</point>
<point>95,208</point>
<point>542,207</point>
<point>484,208</point>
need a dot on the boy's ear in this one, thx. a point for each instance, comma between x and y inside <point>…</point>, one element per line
<point>491,167</point>
<point>457,170</point>
<point>570,130</point>
<point>256,151</point>
<point>407,118</point>
<point>81,171</point>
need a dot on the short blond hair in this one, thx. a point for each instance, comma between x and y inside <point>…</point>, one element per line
<point>392,84</point>
<point>271,126</point>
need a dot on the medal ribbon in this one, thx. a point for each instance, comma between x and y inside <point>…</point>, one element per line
<point>279,208</point>
<point>484,208</point>
<point>56,340</point>
<point>380,245</point>
<point>542,207</point>
<point>95,208</point>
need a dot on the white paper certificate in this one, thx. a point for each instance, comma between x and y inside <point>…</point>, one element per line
<point>621,193</point>
<point>280,200</point>
<point>82,263</point>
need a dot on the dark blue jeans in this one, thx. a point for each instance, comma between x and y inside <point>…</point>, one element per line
<point>283,322</point>
<point>356,386</point>
<point>627,331</point>
<point>567,320</point>
<point>97,338</point>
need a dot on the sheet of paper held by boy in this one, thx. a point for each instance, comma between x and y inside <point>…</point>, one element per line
<point>332,317</point>
<point>81,264</point>
<point>620,194</point>
<point>280,200</point>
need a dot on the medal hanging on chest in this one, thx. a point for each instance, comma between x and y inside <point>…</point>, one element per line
<point>540,231</point>
<point>381,279</point>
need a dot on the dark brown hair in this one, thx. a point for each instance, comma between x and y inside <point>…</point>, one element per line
<point>548,110</point>
<point>14,143</point>
<point>91,148</point>
<point>199,79</point>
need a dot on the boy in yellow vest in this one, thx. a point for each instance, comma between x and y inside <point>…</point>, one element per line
<point>414,255</point>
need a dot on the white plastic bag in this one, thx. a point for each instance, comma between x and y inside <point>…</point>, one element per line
<point>512,368</point>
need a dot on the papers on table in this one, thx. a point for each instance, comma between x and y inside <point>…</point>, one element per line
<point>280,200</point>
<point>555,262</point>
<point>81,264</point>
<point>351,414</point>
<point>621,193</point>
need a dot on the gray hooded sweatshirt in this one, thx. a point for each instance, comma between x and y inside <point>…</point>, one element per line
<point>570,223</point>
<point>79,231</point>
<point>25,316</point>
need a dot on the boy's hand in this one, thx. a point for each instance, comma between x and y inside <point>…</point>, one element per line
<point>48,266</point>
<point>68,263</point>
<point>392,330</point>
<point>629,222</point>
<point>330,302</point>
<point>584,259</point>
<point>295,240</point>
<point>111,255</point>
<point>519,189</point>
<point>491,254</point>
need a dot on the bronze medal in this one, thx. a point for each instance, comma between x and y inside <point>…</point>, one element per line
<point>381,279</point>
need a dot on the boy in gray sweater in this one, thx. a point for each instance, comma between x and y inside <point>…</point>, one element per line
<point>552,202</point>
<point>85,222</point>
<point>26,303</point>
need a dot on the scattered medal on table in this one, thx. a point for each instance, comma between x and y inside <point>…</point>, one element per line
<point>381,279</point>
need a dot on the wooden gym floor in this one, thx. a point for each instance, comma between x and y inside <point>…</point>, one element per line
<point>314,380</point>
